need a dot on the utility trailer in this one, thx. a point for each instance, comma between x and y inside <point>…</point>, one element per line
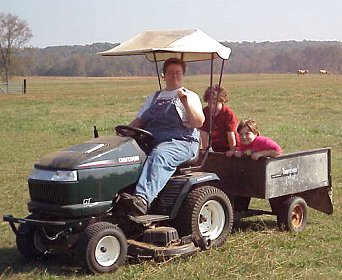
<point>290,182</point>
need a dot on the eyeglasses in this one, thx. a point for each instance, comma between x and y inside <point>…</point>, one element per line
<point>171,73</point>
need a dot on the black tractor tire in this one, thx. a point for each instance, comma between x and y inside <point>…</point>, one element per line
<point>102,248</point>
<point>293,216</point>
<point>28,241</point>
<point>207,214</point>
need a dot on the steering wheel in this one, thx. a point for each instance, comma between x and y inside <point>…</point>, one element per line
<point>143,137</point>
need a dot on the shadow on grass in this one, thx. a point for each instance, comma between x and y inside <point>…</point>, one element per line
<point>11,263</point>
<point>245,225</point>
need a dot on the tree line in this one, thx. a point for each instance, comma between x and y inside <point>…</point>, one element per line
<point>246,57</point>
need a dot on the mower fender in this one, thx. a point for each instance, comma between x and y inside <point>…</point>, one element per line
<point>192,179</point>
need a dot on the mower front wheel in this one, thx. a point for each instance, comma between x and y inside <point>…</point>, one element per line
<point>102,247</point>
<point>29,241</point>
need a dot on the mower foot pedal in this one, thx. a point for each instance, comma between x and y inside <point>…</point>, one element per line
<point>148,218</point>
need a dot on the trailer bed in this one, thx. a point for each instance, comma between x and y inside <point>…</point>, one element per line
<point>305,173</point>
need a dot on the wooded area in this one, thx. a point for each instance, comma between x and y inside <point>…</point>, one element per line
<point>247,57</point>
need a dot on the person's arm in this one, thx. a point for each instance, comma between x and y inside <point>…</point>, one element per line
<point>266,153</point>
<point>271,149</point>
<point>204,139</point>
<point>231,123</point>
<point>232,143</point>
<point>137,122</point>
<point>231,140</point>
<point>194,112</point>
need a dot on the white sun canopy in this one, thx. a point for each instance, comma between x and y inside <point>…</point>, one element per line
<point>159,45</point>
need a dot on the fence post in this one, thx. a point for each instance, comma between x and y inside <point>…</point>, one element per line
<point>24,86</point>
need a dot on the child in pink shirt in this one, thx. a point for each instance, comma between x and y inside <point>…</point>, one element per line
<point>254,145</point>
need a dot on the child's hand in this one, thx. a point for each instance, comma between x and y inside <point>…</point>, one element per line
<point>238,154</point>
<point>256,156</point>
<point>230,154</point>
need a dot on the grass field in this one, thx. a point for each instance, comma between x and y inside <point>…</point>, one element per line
<point>300,113</point>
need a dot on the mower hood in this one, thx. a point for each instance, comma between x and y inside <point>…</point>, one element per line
<point>106,151</point>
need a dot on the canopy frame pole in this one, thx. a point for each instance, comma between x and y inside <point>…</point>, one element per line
<point>156,63</point>
<point>211,102</point>
<point>211,116</point>
<point>219,84</point>
<point>221,74</point>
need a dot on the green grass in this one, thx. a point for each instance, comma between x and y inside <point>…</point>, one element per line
<point>300,113</point>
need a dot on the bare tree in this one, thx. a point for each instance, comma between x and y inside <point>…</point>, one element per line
<point>14,34</point>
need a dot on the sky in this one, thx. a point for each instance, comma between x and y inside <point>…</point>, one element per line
<point>82,22</point>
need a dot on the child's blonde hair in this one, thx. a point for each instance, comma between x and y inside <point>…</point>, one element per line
<point>250,124</point>
<point>219,93</point>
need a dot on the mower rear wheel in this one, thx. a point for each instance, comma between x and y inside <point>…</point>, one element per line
<point>206,213</point>
<point>102,247</point>
<point>294,215</point>
<point>29,241</point>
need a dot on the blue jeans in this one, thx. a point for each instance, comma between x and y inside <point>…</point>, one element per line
<point>160,165</point>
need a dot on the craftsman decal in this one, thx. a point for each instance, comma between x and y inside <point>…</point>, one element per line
<point>289,172</point>
<point>128,159</point>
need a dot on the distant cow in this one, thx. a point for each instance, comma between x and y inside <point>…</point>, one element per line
<point>324,71</point>
<point>302,72</point>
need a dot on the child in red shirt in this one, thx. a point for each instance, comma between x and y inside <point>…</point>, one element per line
<point>224,121</point>
<point>254,145</point>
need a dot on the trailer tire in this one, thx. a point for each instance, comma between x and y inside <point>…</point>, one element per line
<point>102,248</point>
<point>29,242</point>
<point>293,216</point>
<point>206,214</point>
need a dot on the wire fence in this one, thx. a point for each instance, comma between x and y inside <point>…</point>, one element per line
<point>15,87</point>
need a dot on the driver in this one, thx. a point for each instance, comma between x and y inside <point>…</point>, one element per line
<point>172,115</point>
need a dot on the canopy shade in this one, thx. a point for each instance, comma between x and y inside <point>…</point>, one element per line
<point>159,45</point>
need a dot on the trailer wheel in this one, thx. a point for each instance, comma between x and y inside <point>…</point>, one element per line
<point>206,213</point>
<point>294,215</point>
<point>102,247</point>
<point>29,241</point>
